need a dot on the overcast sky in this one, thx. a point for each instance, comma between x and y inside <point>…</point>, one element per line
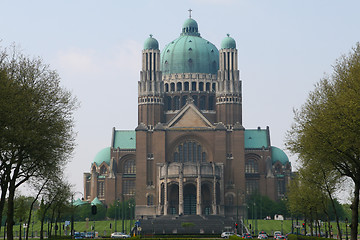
<point>285,47</point>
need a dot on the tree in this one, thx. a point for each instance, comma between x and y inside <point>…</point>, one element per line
<point>326,128</point>
<point>36,124</point>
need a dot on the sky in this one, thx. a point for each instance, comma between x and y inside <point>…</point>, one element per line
<point>284,48</point>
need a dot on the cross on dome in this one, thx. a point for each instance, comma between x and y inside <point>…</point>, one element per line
<point>190,12</point>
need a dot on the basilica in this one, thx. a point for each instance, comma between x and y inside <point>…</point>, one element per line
<point>190,153</point>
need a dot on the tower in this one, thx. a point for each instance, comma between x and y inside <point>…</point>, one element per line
<point>150,92</point>
<point>228,95</point>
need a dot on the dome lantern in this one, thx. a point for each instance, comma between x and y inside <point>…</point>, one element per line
<point>228,42</point>
<point>151,43</point>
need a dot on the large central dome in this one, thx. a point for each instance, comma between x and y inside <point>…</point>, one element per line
<point>190,53</point>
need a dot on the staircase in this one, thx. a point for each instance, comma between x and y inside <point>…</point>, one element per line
<point>186,224</point>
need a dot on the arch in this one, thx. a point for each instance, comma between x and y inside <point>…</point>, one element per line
<point>208,86</point>
<point>206,146</point>
<point>103,170</point>
<point>201,86</point>
<point>172,87</point>
<point>189,151</point>
<point>252,163</point>
<point>166,87</point>
<point>229,199</point>
<point>130,167</point>
<point>186,86</point>
<point>121,162</point>
<point>179,86</point>
<point>193,86</point>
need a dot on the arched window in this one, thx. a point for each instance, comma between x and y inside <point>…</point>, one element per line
<point>251,166</point>
<point>172,87</point>
<point>130,167</point>
<point>201,86</point>
<point>179,86</point>
<point>186,86</point>
<point>103,170</point>
<point>150,200</point>
<point>207,86</point>
<point>189,151</point>
<point>193,86</point>
<point>166,87</point>
<point>101,189</point>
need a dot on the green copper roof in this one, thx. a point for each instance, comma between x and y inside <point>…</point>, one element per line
<point>228,42</point>
<point>79,202</point>
<point>189,53</point>
<point>256,138</point>
<point>278,155</point>
<point>125,139</point>
<point>103,156</point>
<point>151,43</point>
<point>96,201</point>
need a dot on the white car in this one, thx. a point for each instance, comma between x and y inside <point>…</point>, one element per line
<point>119,235</point>
<point>227,234</point>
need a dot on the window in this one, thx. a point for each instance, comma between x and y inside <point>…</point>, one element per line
<point>128,187</point>
<point>130,167</point>
<point>252,186</point>
<point>101,189</point>
<point>150,200</point>
<point>103,170</point>
<point>251,166</point>
<point>189,151</point>
<point>281,187</point>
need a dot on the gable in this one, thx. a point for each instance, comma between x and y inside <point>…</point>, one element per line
<point>191,118</point>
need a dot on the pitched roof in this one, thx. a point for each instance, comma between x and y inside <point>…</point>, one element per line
<point>124,139</point>
<point>256,138</point>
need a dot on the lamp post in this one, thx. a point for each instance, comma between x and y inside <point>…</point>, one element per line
<point>72,213</point>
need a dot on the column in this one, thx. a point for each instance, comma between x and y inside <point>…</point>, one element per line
<point>198,191</point>
<point>165,190</point>
<point>181,190</point>
<point>159,211</point>
<point>214,212</point>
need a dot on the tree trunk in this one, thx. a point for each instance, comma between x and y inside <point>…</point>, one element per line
<point>355,212</point>
<point>4,188</point>
<point>10,211</point>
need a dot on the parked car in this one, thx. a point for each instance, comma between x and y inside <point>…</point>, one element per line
<point>119,235</point>
<point>246,236</point>
<point>280,237</point>
<point>227,234</point>
<point>262,236</point>
<point>276,233</point>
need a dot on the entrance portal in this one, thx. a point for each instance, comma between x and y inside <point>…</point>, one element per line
<point>190,199</point>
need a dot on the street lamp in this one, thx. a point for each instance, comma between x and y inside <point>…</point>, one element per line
<point>72,214</point>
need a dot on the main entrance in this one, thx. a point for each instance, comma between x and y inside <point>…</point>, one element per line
<point>189,200</point>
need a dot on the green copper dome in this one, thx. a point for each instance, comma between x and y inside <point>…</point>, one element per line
<point>103,156</point>
<point>190,53</point>
<point>278,155</point>
<point>228,42</point>
<point>151,43</point>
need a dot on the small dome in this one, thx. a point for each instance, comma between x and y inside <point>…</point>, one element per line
<point>102,156</point>
<point>278,155</point>
<point>228,42</point>
<point>151,43</point>
<point>190,27</point>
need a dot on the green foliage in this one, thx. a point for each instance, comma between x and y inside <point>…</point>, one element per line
<point>326,131</point>
<point>260,206</point>
<point>187,224</point>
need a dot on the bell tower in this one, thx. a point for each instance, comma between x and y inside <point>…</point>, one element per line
<point>150,87</point>
<point>228,94</point>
